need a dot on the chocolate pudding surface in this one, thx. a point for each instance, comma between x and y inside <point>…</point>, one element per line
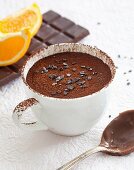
<point>68,75</point>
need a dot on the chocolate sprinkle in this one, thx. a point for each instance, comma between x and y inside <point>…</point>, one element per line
<point>65,64</point>
<point>59,78</point>
<point>52,76</point>
<point>83,66</point>
<point>89,78</point>
<point>89,68</point>
<point>73,63</point>
<point>61,69</point>
<point>65,93</point>
<point>70,87</point>
<point>44,70</point>
<point>94,73</point>
<point>53,84</point>
<point>69,81</point>
<point>74,69</point>
<point>74,80</point>
<point>68,74</point>
<point>65,67</point>
<point>80,83</point>
<point>130,71</point>
<point>128,83</point>
<point>83,86</point>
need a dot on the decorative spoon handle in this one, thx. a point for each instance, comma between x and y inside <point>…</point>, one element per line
<point>79,158</point>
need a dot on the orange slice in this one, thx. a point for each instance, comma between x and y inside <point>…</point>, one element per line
<point>29,17</point>
<point>13,46</point>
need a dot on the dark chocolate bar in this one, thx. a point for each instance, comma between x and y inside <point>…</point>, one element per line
<point>55,29</point>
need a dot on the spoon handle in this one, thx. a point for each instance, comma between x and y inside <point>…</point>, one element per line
<point>79,158</point>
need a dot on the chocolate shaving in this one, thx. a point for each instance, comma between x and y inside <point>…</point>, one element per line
<point>68,74</point>
<point>61,69</point>
<point>70,87</point>
<point>80,83</point>
<point>59,78</point>
<point>52,76</point>
<point>65,64</point>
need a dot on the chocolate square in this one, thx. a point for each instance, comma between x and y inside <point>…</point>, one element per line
<point>77,32</point>
<point>6,75</point>
<point>50,16</point>
<point>46,32</point>
<point>62,23</point>
<point>60,38</point>
<point>35,45</point>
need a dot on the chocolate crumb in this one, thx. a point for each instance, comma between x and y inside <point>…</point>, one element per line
<point>119,56</point>
<point>59,78</point>
<point>109,116</point>
<point>69,81</point>
<point>83,66</point>
<point>65,64</point>
<point>128,83</point>
<point>130,71</point>
<point>70,87</point>
<point>124,73</point>
<point>74,80</point>
<point>80,83</point>
<point>82,73</point>
<point>44,70</point>
<point>74,69</point>
<point>94,73</point>
<point>65,93</point>
<point>61,69</point>
<point>89,78</point>
<point>53,84</point>
<point>83,86</point>
<point>116,67</point>
<point>65,67</point>
<point>52,76</point>
<point>68,74</point>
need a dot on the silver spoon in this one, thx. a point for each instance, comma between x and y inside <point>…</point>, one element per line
<point>117,139</point>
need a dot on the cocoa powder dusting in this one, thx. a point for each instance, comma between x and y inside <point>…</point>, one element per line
<point>84,73</point>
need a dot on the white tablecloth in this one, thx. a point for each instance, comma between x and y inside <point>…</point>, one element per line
<point>42,150</point>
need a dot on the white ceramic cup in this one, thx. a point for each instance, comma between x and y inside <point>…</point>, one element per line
<point>68,117</point>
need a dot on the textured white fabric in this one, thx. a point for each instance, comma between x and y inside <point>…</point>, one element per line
<point>43,150</point>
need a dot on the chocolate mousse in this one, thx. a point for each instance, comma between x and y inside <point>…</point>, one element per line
<point>68,75</point>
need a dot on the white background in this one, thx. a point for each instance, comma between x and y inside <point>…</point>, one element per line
<point>43,150</point>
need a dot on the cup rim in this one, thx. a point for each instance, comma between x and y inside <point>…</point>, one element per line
<point>67,99</point>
